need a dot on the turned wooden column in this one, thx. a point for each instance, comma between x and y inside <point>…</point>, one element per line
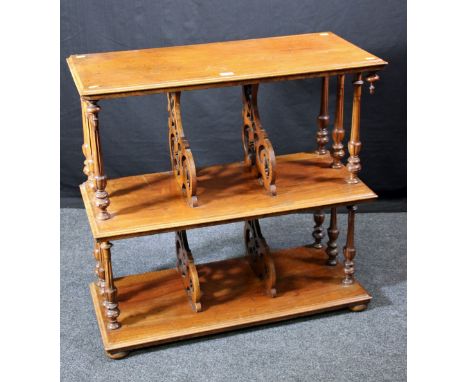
<point>110,303</point>
<point>86,148</point>
<point>349,251</point>
<point>99,269</point>
<point>338,131</point>
<point>333,232</point>
<point>100,179</point>
<point>354,144</point>
<point>323,119</point>
<point>318,234</point>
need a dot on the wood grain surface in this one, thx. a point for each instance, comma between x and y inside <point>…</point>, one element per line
<point>155,310</point>
<point>146,71</point>
<point>153,203</point>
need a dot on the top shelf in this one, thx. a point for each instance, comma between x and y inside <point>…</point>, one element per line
<point>147,71</point>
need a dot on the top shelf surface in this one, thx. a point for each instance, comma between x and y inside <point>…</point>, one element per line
<point>123,73</point>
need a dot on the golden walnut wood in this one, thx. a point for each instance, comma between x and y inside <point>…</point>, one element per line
<point>110,303</point>
<point>349,251</point>
<point>151,308</point>
<point>354,144</point>
<point>182,160</point>
<point>154,306</point>
<point>258,255</point>
<point>99,269</point>
<point>101,196</point>
<point>160,70</point>
<point>152,203</point>
<point>371,78</point>
<point>258,150</point>
<point>319,218</point>
<point>188,271</point>
<point>333,232</point>
<point>338,131</point>
<point>323,119</point>
<point>86,148</point>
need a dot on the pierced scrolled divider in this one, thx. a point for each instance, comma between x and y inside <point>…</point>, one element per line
<point>187,269</point>
<point>259,155</point>
<point>183,164</point>
<point>258,255</point>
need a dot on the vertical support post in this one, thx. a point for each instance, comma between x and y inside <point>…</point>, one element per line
<point>99,269</point>
<point>333,232</point>
<point>338,131</point>
<point>86,148</point>
<point>110,304</point>
<point>354,144</point>
<point>319,218</point>
<point>323,119</point>
<point>100,179</point>
<point>349,251</point>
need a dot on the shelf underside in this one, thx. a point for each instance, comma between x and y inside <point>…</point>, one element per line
<point>153,203</point>
<point>155,309</point>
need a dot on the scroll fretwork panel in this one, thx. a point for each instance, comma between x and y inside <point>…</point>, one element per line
<point>258,254</point>
<point>188,270</point>
<point>182,160</point>
<point>258,150</point>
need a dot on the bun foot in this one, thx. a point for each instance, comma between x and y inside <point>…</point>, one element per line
<point>358,308</point>
<point>117,355</point>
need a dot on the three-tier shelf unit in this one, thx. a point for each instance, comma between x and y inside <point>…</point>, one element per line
<point>192,300</point>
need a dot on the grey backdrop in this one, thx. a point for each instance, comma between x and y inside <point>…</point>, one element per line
<point>134,132</point>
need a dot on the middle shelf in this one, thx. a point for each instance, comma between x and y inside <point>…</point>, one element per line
<point>152,203</point>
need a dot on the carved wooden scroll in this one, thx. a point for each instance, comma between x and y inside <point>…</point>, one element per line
<point>258,254</point>
<point>258,150</point>
<point>188,270</point>
<point>182,161</point>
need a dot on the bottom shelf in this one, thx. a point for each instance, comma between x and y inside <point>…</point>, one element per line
<point>155,309</point>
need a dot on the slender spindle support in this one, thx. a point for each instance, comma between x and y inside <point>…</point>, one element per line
<point>86,147</point>
<point>338,131</point>
<point>354,144</point>
<point>333,232</point>
<point>110,304</point>
<point>318,234</point>
<point>323,119</point>
<point>349,251</point>
<point>99,269</point>
<point>100,179</point>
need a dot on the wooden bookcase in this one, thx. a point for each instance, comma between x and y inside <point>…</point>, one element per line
<point>265,286</point>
